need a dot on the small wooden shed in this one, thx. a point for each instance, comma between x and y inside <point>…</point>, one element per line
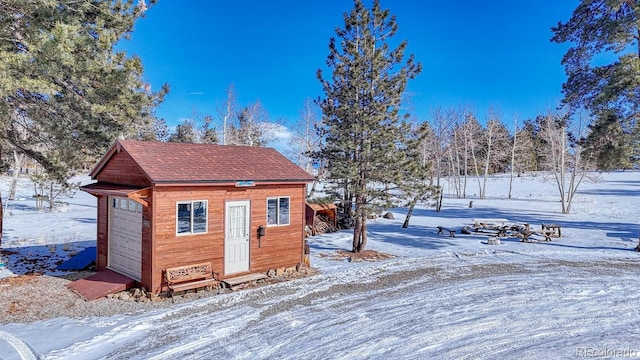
<point>328,211</point>
<point>164,205</point>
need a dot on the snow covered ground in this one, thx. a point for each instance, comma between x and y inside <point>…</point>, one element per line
<point>440,297</point>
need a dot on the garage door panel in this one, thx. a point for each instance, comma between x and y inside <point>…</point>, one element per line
<point>125,238</point>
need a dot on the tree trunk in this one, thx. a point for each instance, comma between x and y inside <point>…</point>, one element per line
<point>466,165</point>
<point>410,212</point>
<point>50,196</point>
<point>17,165</point>
<point>439,198</point>
<point>475,166</point>
<point>483,189</point>
<point>1,207</point>
<point>347,202</point>
<point>513,157</point>
<point>360,234</point>
<point>360,230</point>
<point>453,178</point>
<point>563,170</point>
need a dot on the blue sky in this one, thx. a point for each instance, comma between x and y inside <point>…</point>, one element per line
<point>480,54</point>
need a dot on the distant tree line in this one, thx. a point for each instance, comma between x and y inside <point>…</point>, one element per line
<point>234,125</point>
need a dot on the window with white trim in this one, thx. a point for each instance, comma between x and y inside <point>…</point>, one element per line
<point>278,211</point>
<point>191,217</point>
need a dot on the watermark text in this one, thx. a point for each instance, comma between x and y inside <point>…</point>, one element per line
<point>594,353</point>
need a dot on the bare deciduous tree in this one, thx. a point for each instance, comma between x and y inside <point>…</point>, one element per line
<point>228,111</point>
<point>472,132</point>
<point>457,152</point>
<point>563,156</point>
<point>513,154</point>
<point>306,140</point>
<point>252,127</point>
<point>416,182</point>
<point>438,146</point>
<point>495,148</point>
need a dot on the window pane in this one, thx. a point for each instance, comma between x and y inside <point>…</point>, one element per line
<point>200,217</point>
<point>237,222</point>
<point>132,206</point>
<point>272,211</point>
<point>184,218</point>
<point>283,218</point>
<point>123,204</point>
<point>115,203</point>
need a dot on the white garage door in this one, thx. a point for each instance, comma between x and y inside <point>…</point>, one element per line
<point>125,237</point>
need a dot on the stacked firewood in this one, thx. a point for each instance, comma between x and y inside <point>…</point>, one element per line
<point>324,224</point>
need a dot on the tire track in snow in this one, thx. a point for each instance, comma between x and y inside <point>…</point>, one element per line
<point>23,350</point>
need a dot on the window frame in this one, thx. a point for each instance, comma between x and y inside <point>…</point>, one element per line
<point>191,217</point>
<point>277,214</point>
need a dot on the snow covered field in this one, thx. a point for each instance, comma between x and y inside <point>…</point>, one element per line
<point>440,297</point>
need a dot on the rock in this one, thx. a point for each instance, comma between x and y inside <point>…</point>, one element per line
<point>271,273</point>
<point>388,215</point>
<point>280,271</point>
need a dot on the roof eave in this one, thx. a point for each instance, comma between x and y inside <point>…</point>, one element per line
<point>234,183</point>
<point>138,194</point>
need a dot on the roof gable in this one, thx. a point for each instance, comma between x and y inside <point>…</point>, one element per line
<point>164,162</point>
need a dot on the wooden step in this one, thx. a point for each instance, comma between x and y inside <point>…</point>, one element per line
<point>235,282</point>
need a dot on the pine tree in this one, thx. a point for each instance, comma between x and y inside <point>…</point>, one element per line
<point>611,28</point>
<point>608,144</point>
<point>185,132</point>
<point>361,123</point>
<point>66,93</point>
<point>526,158</point>
<point>208,134</point>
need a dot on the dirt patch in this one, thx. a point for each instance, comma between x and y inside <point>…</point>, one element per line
<point>18,280</point>
<point>32,297</point>
<point>366,255</point>
<point>286,276</point>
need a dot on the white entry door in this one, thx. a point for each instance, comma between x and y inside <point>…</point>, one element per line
<point>125,237</point>
<point>236,237</point>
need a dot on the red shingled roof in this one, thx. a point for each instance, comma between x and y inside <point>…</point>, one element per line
<point>186,162</point>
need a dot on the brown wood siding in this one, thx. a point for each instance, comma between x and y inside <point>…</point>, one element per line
<point>282,246</point>
<point>122,170</point>
<point>146,278</point>
<point>102,241</point>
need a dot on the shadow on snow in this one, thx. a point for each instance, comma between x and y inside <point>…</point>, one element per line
<point>45,258</point>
